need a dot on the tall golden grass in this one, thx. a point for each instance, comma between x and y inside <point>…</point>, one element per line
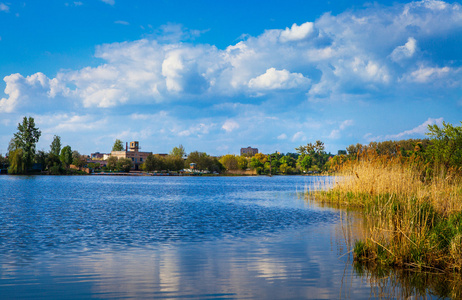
<point>412,220</point>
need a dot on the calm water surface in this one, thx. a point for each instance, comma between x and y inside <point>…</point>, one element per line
<point>69,237</point>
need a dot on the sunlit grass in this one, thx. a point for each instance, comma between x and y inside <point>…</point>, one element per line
<point>412,220</point>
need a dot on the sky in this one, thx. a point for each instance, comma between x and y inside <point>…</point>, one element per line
<point>216,76</point>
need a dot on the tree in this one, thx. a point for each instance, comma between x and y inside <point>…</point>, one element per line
<point>446,145</point>
<point>112,162</point>
<point>153,163</point>
<point>178,151</point>
<point>118,145</point>
<point>242,162</point>
<point>304,161</point>
<point>204,162</point>
<point>17,165</point>
<point>173,163</point>
<point>41,159</point>
<point>124,164</point>
<point>55,146</point>
<point>78,159</point>
<point>25,139</point>
<point>66,156</point>
<point>230,162</point>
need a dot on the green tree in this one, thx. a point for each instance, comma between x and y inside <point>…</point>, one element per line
<point>78,159</point>
<point>66,156</point>
<point>112,163</point>
<point>41,158</point>
<point>173,163</point>
<point>242,162</point>
<point>230,162</point>
<point>124,164</point>
<point>153,163</point>
<point>178,151</point>
<point>55,146</point>
<point>118,145</point>
<point>304,162</point>
<point>446,145</point>
<point>17,165</point>
<point>26,139</point>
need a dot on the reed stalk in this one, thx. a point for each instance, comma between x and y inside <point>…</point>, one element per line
<point>412,220</point>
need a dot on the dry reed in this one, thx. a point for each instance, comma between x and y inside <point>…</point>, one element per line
<point>412,221</point>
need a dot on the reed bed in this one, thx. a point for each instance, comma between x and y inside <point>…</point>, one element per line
<point>411,220</point>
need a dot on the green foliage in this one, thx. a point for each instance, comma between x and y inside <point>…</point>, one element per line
<point>55,146</point>
<point>242,163</point>
<point>41,158</point>
<point>26,138</point>
<point>66,156</point>
<point>204,162</point>
<point>154,163</point>
<point>118,145</point>
<point>446,145</point>
<point>124,164</point>
<point>178,151</point>
<point>53,164</point>
<point>78,160</point>
<point>304,162</point>
<point>112,163</point>
<point>17,164</point>
<point>230,162</point>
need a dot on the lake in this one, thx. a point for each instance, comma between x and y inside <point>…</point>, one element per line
<point>107,237</point>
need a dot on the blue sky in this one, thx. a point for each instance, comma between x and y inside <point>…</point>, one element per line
<point>216,76</point>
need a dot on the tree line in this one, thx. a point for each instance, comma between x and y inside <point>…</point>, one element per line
<point>443,149</point>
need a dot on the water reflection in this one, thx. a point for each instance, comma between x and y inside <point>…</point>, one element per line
<point>205,238</point>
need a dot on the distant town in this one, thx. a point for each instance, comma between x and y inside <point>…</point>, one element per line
<point>127,158</point>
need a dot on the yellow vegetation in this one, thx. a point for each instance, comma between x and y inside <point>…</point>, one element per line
<point>413,220</point>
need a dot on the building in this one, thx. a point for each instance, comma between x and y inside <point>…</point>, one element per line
<point>249,151</point>
<point>133,153</point>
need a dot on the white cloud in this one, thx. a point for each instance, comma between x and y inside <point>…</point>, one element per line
<point>406,51</point>
<point>230,125</point>
<point>416,131</point>
<point>274,79</point>
<point>122,22</point>
<point>331,59</point>
<point>110,2</point>
<point>297,33</point>
<point>198,130</point>
<point>282,136</point>
<point>345,124</point>
<point>299,136</point>
<point>334,134</point>
<point>426,74</point>
<point>4,7</point>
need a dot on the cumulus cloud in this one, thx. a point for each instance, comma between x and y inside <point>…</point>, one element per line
<point>22,90</point>
<point>426,74</point>
<point>274,79</point>
<point>297,33</point>
<point>230,125</point>
<point>332,58</point>
<point>405,51</point>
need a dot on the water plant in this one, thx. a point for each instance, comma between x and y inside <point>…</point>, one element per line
<point>412,216</point>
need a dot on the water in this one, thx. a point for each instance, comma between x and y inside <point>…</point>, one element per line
<point>70,237</point>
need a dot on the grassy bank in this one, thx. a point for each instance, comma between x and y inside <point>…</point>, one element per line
<point>412,220</point>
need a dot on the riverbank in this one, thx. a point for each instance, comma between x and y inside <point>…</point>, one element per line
<point>413,222</point>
